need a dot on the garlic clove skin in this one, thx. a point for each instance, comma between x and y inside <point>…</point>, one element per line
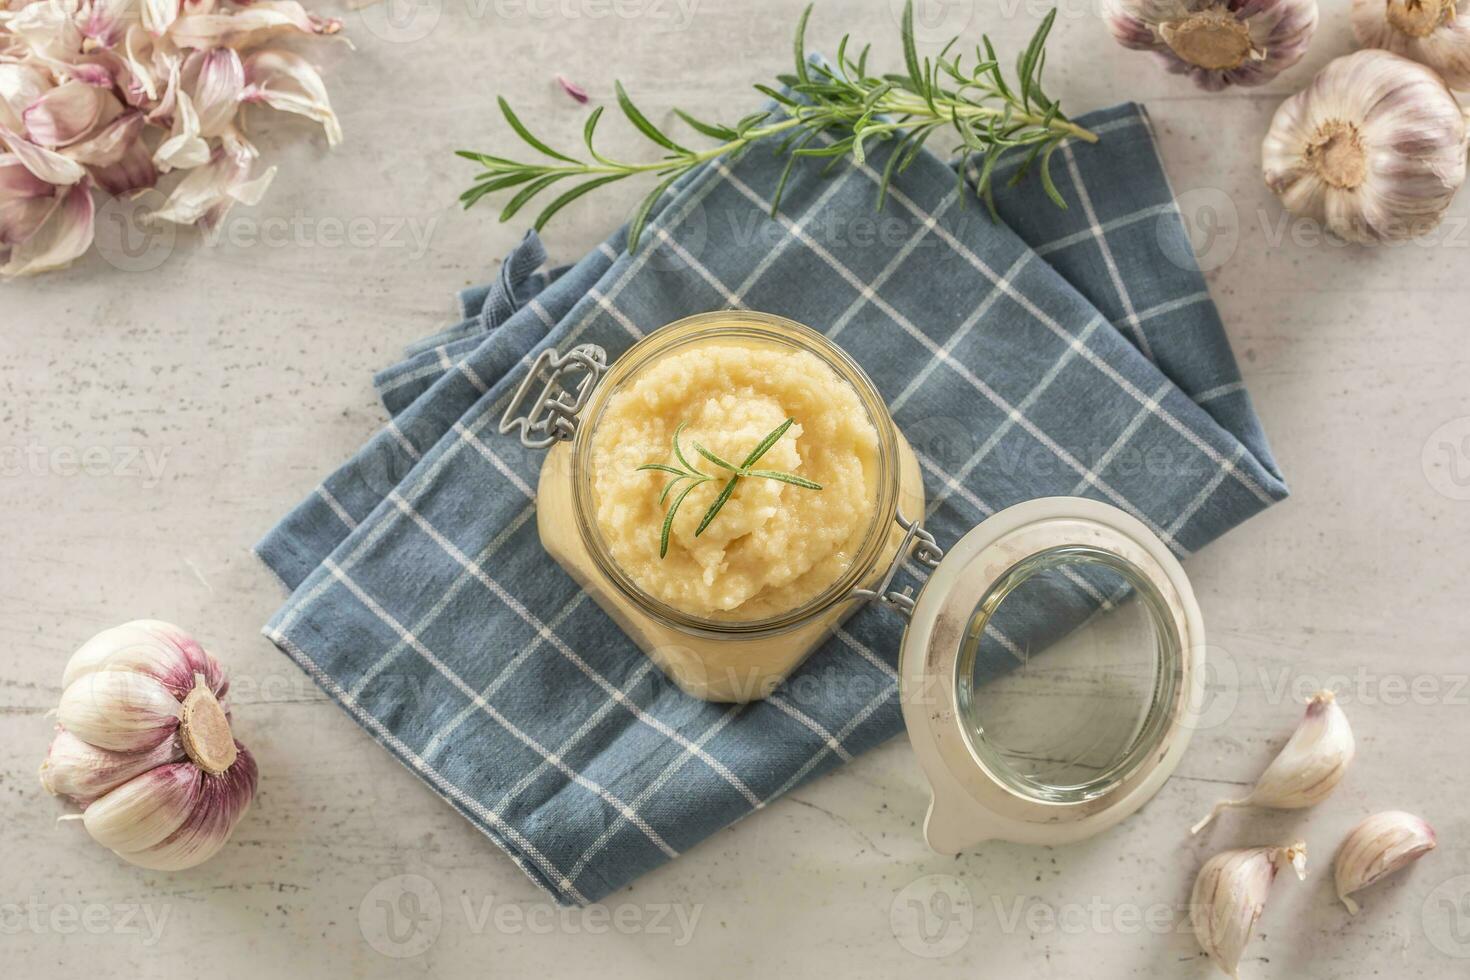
<point>1229,895</point>
<point>1308,767</point>
<point>119,710</point>
<point>1374,148</point>
<point>219,804</point>
<point>1431,32</point>
<point>161,650</point>
<point>1376,848</point>
<point>83,772</point>
<point>145,810</point>
<point>1216,44</point>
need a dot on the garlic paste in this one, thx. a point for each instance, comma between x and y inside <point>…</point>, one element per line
<point>773,546</point>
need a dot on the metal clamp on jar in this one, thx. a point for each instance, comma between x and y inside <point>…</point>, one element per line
<point>1042,748</point>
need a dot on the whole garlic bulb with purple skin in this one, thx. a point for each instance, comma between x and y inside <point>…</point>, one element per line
<point>144,747</point>
<point>1217,44</point>
<point>1374,148</point>
<point>1431,32</point>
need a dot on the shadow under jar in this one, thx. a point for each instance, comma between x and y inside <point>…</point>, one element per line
<point>1052,663</point>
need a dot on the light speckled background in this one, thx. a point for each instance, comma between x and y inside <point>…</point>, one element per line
<point>241,369</point>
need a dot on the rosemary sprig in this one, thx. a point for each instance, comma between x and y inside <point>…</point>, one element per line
<point>686,470</point>
<point>836,112</point>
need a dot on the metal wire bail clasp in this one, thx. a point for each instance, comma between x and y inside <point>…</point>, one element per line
<point>563,386</point>
<point>926,551</point>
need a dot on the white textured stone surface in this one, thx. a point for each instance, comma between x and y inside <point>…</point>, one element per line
<point>244,369</point>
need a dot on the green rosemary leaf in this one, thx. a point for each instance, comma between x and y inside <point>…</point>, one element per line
<point>1046,181</point>
<point>663,537</point>
<point>995,73</point>
<point>570,196</point>
<point>679,453</point>
<point>661,468</point>
<point>750,122</point>
<point>786,171</point>
<point>640,217</point>
<point>639,120</point>
<point>667,487</point>
<point>910,51</point>
<point>839,148</point>
<point>791,478</point>
<point>525,134</point>
<point>842,63</point>
<point>707,129</point>
<point>526,193</point>
<point>1026,163</point>
<point>714,508</point>
<point>764,446</point>
<point>714,458</point>
<point>800,44</point>
<point>777,95</point>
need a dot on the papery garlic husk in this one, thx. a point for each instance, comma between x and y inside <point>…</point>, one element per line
<point>1216,43</point>
<point>144,747</point>
<point>1309,766</point>
<point>1374,148</point>
<point>1377,847</point>
<point>1230,894</point>
<point>1431,32</point>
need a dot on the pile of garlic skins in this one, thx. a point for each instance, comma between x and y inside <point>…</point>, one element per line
<point>112,95</point>
<point>144,746</point>
<point>1374,149</point>
<point>1231,889</point>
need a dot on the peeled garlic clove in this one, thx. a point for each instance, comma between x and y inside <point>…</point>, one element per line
<point>83,772</point>
<point>1308,767</point>
<point>1216,44</point>
<point>1377,847</point>
<point>119,710</point>
<point>1431,32</point>
<point>1374,148</point>
<point>1230,894</point>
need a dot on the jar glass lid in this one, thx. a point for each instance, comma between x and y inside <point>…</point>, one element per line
<point>1048,672</point>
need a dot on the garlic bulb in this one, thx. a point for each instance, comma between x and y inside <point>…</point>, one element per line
<point>1430,32</point>
<point>144,747</point>
<point>1230,894</point>
<point>1377,847</point>
<point>1374,148</point>
<point>1214,42</point>
<point>1309,766</point>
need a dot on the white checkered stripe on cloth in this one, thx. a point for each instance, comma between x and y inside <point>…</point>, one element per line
<point>1057,352</point>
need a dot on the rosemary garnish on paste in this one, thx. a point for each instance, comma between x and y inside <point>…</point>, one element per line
<point>686,470</point>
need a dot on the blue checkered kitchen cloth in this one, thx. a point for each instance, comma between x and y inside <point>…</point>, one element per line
<point>1059,352</point>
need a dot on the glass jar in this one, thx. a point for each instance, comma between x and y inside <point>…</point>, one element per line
<point>714,658</point>
<point>1045,743</point>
